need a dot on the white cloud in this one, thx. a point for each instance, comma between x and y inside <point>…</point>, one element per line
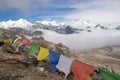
<point>23,5</point>
<point>84,40</point>
<point>97,11</point>
<point>96,17</point>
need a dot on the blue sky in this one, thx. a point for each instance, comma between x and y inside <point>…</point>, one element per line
<point>96,11</point>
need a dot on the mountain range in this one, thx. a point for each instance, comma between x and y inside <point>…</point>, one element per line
<point>79,34</point>
<point>62,28</point>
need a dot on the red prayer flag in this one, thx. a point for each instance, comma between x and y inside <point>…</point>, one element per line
<point>81,70</point>
<point>25,41</point>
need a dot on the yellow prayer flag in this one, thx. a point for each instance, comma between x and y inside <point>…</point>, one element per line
<point>43,54</point>
<point>9,41</point>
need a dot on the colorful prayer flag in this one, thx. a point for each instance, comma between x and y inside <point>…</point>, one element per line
<point>64,64</point>
<point>53,60</point>
<point>33,49</point>
<point>107,75</point>
<point>81,70</point>
<point>43,54</point>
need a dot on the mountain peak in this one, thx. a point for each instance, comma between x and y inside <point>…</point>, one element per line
<point>22,20</point>
<point>80,23</point>
<point>22,23</point>
<point>47,22</point>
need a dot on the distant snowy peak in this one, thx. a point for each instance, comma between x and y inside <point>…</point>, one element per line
<point>80,24</point>
<point>21,23</point>
<point>50,23</point>
<point>73,23</point>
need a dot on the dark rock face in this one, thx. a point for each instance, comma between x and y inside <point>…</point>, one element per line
<point>101,27</point>
<point>117,28</point>
<point>89,30</point>
<point>37,33</point>
<point>97,26</point>
<point>69,30</point>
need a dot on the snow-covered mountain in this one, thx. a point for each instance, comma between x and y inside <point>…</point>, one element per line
<point>80,24</point>
<point>61,28</point>
<point>73,26</point>
<point>48,23</point>
<point>21,23</point>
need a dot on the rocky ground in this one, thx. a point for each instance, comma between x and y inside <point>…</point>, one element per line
<point>107,57</point>
<point>19,66</point>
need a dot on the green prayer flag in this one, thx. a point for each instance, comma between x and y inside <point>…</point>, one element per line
<point>1,37</point>
<point>33,49</point>
<point>107,75</point>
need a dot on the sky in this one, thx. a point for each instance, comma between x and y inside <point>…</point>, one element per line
<point>95,11</point>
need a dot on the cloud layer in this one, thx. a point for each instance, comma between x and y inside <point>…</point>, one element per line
<point>85,40</point>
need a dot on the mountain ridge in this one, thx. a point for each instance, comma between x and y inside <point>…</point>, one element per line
<point>62,28</point>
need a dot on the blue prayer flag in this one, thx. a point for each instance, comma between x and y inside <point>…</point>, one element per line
<point>53,60</point>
